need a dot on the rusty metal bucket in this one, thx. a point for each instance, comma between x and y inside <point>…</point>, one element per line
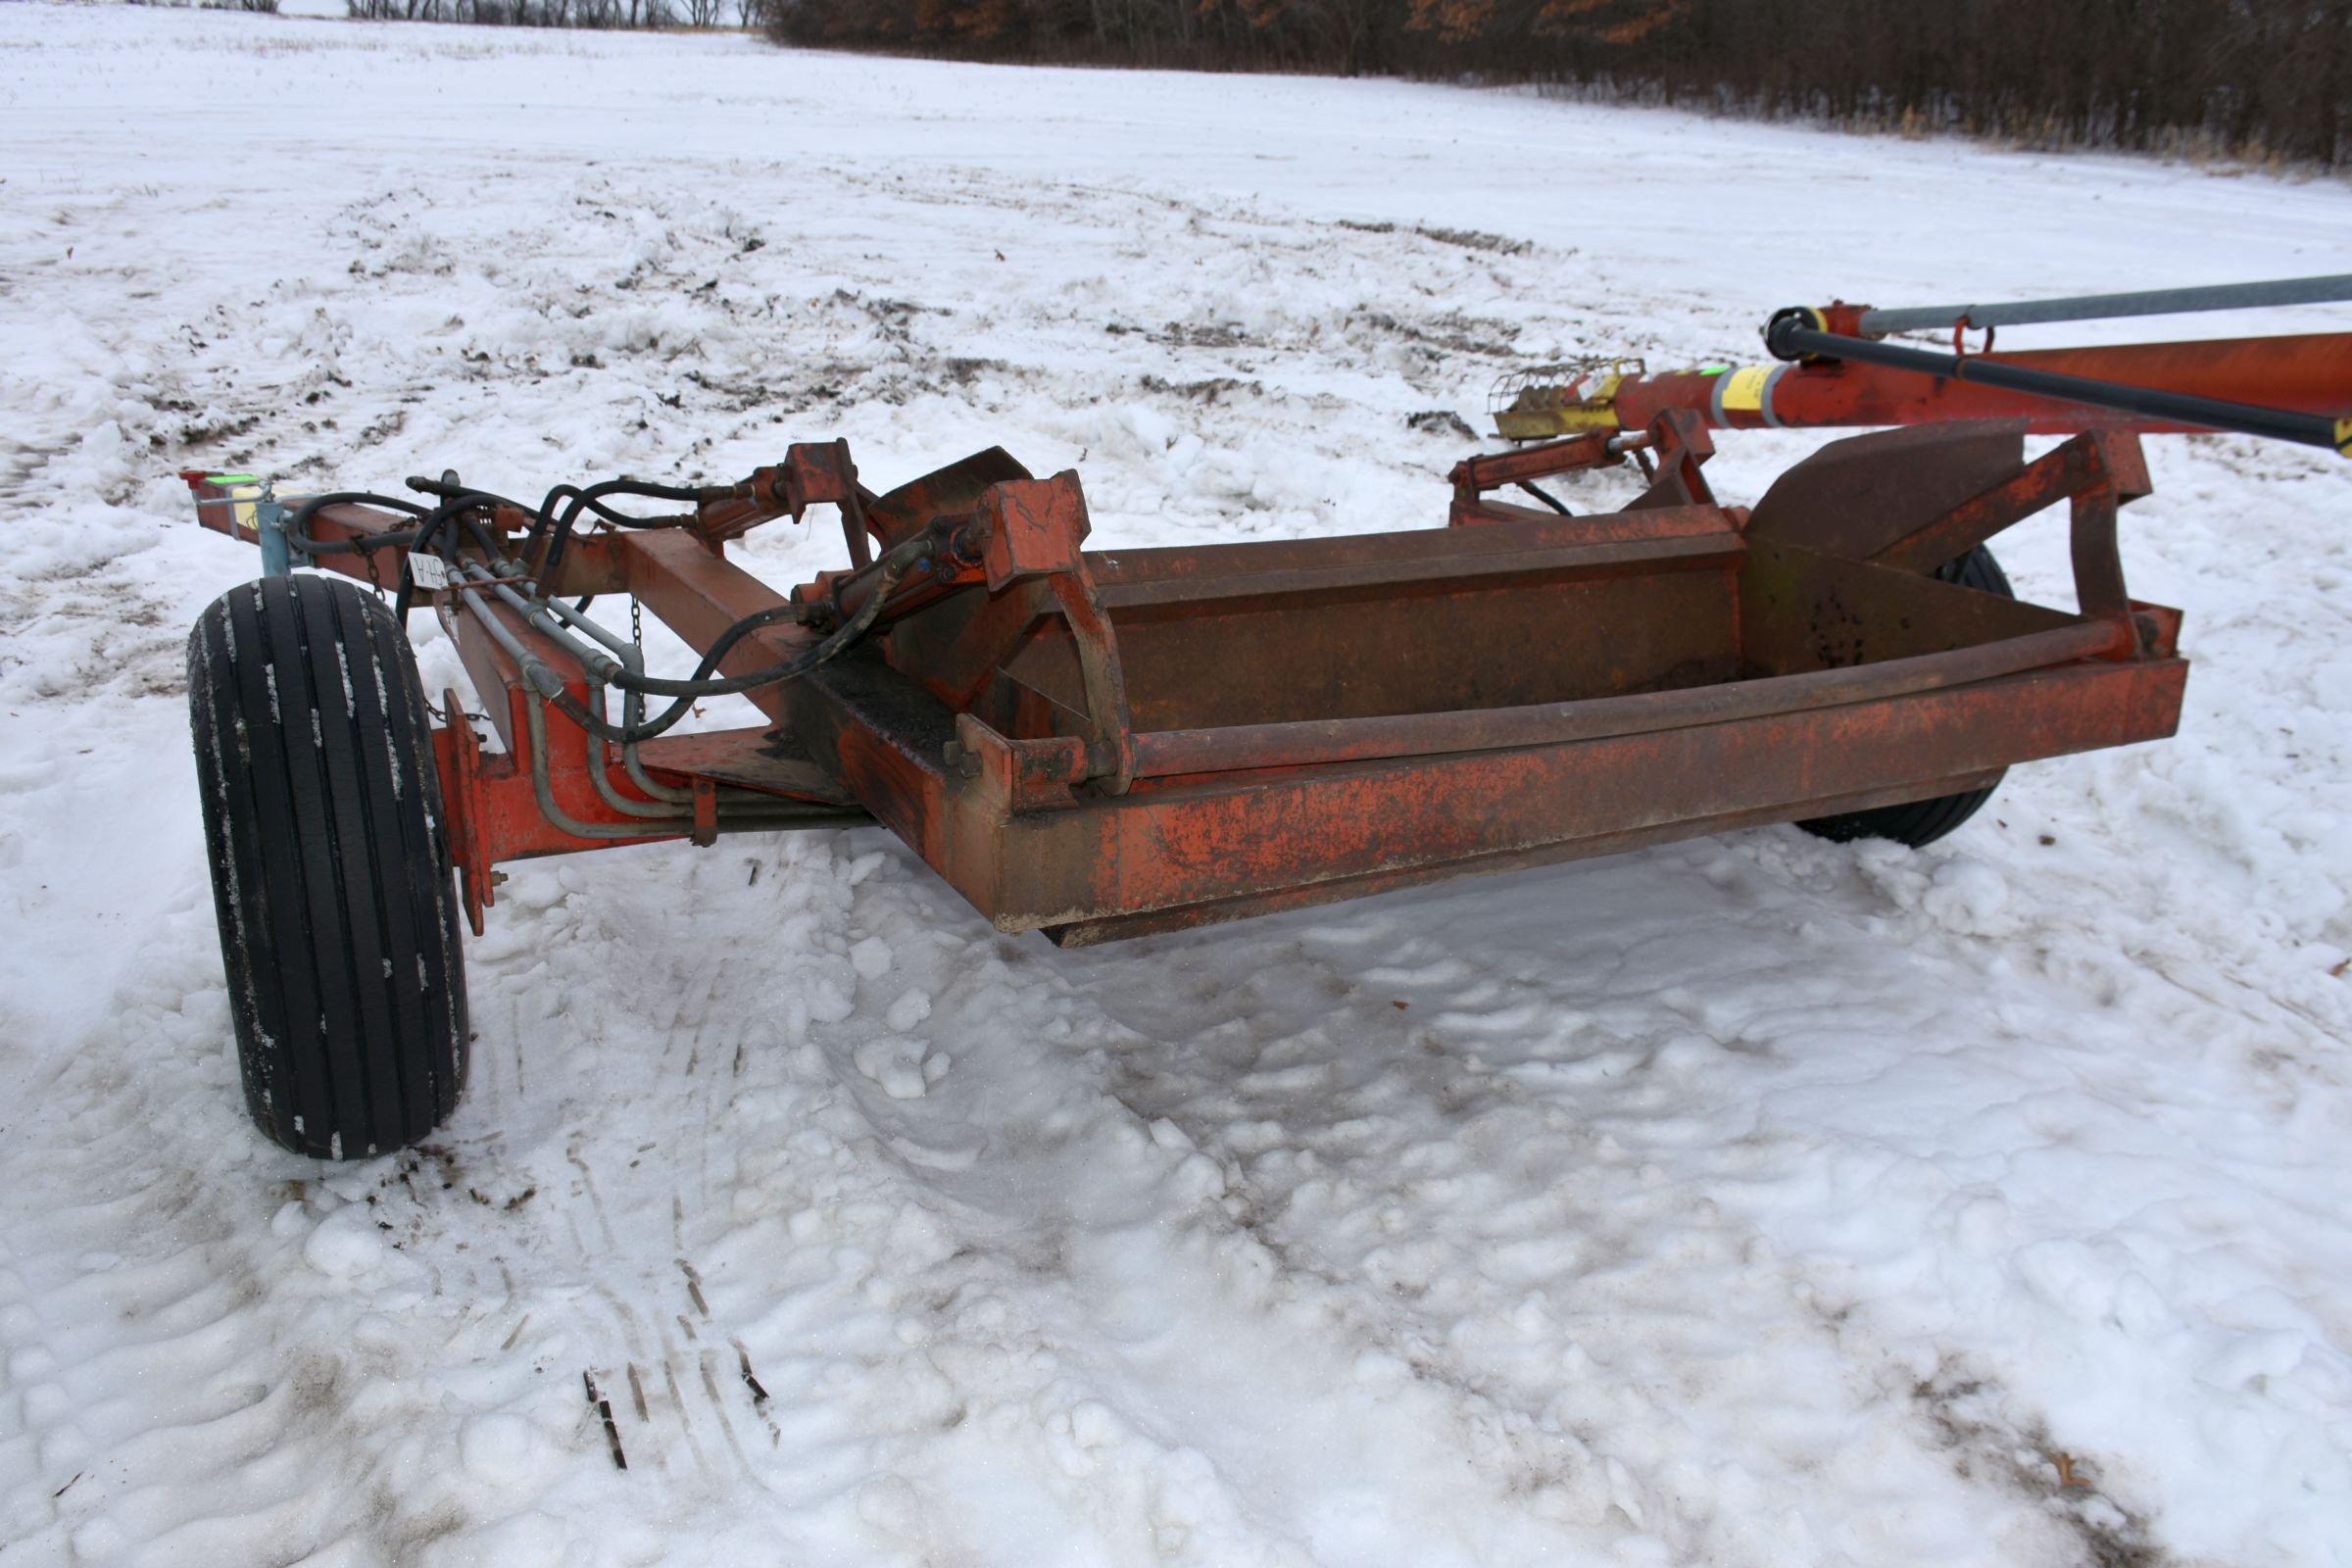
<point>1306,720</point>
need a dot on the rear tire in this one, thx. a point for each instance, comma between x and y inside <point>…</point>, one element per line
<point>330,866</point>
<point>1918,823</point>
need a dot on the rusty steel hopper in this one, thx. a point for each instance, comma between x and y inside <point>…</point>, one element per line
<point>1100,743</point>
<point>1227,729</point>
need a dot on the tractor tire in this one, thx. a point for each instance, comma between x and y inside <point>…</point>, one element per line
<point>330,866</point>
<point>1918,823</point>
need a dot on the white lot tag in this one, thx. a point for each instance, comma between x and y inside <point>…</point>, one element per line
<point>428,571</point>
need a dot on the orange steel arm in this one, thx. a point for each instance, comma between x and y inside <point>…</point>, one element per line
<point>2308,373</point>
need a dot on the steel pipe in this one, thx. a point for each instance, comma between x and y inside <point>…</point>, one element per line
<point>1790,340</point>
<point>2326,290</point>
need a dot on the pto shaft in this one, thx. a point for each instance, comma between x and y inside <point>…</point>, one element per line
<point>1792,336</point>
<point>2296,387</point>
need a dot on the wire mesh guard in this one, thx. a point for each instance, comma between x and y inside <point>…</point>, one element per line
<point>1564,384</point>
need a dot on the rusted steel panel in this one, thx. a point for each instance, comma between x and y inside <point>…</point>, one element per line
<point>1380,563</point>
<point>759,758</point>
<point>943,492</point>
<point>1197,841</point>
<point>1920,498</point>
<point>1853,495</point>
<point>1180,918</point>
<point>1509,643</point>
<point>2070,471</point>
<point>1167,752</point>
<point>1033,528</point>
<point>886,740</point>
<point>1381,625</point>
<point>1803,610</point>
<point>1197,845</point>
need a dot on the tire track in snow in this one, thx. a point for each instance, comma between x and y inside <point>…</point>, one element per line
<point>1012,1295</point>
<point>1312,1008</point>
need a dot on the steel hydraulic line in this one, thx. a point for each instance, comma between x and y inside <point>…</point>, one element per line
<point>2328,290</point>
<point>1791,338</point>
<point>542,786</point>
<point>632,709</point>
<point>734,816</point>
<point>632,715</point>
<point>535,717</point>
<point>541,615</point>
<point>600,773</point>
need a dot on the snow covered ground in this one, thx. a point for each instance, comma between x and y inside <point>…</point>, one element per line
<point>1752,1201</point>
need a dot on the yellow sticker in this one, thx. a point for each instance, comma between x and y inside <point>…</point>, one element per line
<point>1743,388</point>
<point>2343,436</point>
<point>244,496</point>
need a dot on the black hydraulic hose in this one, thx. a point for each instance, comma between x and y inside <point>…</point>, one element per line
<point>461,502</point>
<point>892,567</point>
<point>592,498</point>
<point>699,684</point>
<point>456,498</point>
<point>1789,338</point>
<point>1546,496</point>
<point>462,506</point>
<point>297,526</point>
<point>541,519</point>
<point>458,505</point>
<point>544,517</point>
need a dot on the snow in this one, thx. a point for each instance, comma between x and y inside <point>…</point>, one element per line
<point>1748,1201</point>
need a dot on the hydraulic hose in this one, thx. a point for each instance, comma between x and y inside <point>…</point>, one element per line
<point>1791,337</point>
<point>297,526</point>
<point>551,686</point>
<point>691,691</point>
<point>592,498</point>
<point>458,505</point>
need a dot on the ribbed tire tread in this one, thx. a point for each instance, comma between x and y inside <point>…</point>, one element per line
<point>330,866</point>
<point>1922,822</point>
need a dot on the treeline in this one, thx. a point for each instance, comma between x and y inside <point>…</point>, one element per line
<point>2266,79</point>
<point>568,13</point>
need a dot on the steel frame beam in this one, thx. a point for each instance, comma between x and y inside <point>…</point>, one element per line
<point>2306,373</point>
<point>1100,744</point>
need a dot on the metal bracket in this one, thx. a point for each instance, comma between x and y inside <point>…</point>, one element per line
<point>1034,528</point>
<point>460,755</point>
<point>1682,444</point>
<point>811,471</point>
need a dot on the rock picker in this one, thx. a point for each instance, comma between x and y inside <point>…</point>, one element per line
<point>1102,743</point>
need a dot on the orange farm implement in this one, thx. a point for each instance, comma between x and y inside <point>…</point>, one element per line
<point>1100,743</point>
